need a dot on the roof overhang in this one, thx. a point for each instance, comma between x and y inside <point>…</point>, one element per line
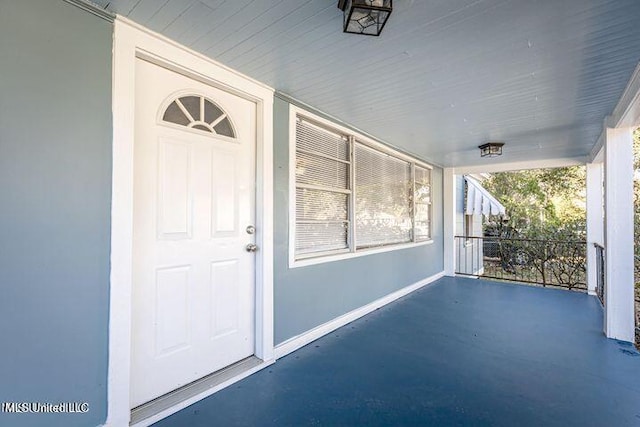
<point>478,201</point>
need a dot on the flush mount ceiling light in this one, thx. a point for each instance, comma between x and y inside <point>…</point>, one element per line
<point>365,16</point>
<point>491,149</point>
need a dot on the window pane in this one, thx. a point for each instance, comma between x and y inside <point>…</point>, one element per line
<point>211,111</point>
<point>224,128</point>
<point>320,205</point>
<point>174,114</point>
<point>322,215</point>
<point>192,105</point>
<point>310,137</point>
<point>320,237</point>
<point>422,196</point>
<point>201,127</point>
<point>316,170</point>
<point>383,198</point>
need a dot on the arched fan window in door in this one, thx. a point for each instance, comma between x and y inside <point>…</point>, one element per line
<point>198,112</point>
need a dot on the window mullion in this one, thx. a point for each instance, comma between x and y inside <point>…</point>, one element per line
<point>430,229</point>
<point>323,188</point>
<point>352,197</point>
<point>413,202</point>
<point>324,156</point>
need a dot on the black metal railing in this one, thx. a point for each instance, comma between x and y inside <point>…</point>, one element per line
<point>545,262</point>
<point>600,263</point>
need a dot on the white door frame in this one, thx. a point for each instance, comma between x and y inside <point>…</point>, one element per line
<point>132,41</point>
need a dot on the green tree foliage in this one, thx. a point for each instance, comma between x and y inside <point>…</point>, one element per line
<point>547,216</point>
<point>543,199</point>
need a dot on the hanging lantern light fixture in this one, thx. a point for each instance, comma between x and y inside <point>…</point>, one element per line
<point>491,149</point>
<point>366,17</point>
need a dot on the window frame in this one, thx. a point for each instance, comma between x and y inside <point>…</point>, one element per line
<point>348,191</point>
<point>185,128</point>
<point>355,137</point>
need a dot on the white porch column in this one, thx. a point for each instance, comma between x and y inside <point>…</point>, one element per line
<point>619,311</point>
<point>595,221</point>
<point>449,213</point>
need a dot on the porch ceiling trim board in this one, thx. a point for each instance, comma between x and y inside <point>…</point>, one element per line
<point>299,341</point>
<point>625,114</point>
<point>627,111</point>
<point>514,166</point>
<point>132,41</point>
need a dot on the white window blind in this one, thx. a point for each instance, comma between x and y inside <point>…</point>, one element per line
<point>322,190</point>
<point>383,198</point>
<point>422,203</point>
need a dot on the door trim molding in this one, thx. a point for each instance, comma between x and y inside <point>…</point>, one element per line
<point>132,41</point>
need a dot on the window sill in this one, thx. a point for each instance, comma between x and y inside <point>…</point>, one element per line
<point>362,252</point>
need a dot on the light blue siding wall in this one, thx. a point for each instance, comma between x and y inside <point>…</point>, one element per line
<point>55,193</point>
<point>468,254</point>
<point>459,205</point>
<point>307,297</point>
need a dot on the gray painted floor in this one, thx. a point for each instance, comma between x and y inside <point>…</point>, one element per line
<point>461,352</point>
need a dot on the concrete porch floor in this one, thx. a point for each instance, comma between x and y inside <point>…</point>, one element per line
<point>461,352</point>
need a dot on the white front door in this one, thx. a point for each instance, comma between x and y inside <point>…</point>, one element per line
<point>194,197</point>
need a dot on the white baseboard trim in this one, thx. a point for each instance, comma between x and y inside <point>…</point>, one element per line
<point>311,335</point>
<point>183,404</point>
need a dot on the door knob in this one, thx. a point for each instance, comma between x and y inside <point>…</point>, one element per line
<point>251,247</point>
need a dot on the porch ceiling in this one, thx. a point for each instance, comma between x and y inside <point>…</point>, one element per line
<point>444,77</point>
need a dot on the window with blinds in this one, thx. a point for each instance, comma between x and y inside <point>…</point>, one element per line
<point>422,204</point>
<point>383,198</point>
<point>351,196</point>
<point>322,190</point>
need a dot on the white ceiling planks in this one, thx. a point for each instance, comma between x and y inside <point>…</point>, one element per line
<point>445,75</point>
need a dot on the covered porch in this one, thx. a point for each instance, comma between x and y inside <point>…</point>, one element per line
<point>457,352</point>
<point>321,166</point>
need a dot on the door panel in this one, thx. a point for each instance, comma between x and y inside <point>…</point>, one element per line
<point>172,310</point>
<point>224,298</point>
<point>224,196</point>
<point>175,195</point>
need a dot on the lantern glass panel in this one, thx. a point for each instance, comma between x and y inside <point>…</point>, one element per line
<point>366,16</point>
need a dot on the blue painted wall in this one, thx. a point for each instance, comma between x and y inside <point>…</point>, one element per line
<point>55,193</point>
<point>306,297</point>
<point>468,254</point>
